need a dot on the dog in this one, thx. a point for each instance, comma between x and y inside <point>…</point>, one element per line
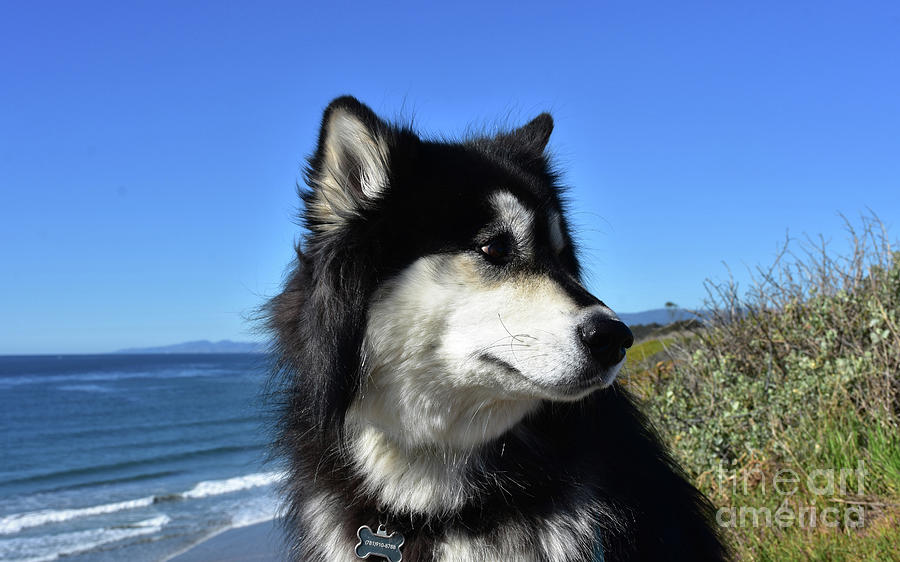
<point>445,376</point>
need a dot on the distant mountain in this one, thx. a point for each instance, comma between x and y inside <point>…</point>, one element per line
<point>201,346</point>
<point>661,316</point>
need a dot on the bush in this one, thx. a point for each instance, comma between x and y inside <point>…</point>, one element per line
<point>799,372</point>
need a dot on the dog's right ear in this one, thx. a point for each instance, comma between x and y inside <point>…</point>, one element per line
<point>349,170</point>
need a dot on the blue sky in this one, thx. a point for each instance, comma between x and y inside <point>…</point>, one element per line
<point>149,151</point>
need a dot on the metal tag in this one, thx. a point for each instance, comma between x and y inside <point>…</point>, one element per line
<point>380,544</point>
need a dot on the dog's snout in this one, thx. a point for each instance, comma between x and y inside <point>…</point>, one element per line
<point>606,338</point>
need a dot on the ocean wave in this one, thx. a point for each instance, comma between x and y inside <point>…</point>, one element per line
<point>19,380</point>
<point>86,388</point>
<point>52,547</point>
<point>120,480</point>
<point>128,430</point>
<point>113,467</point>
<point>256,510</point>
<point>218,487</point>
<point>18,521</point>
<point>14,523</point>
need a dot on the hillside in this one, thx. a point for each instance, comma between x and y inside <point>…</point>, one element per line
<point>200,346</point>
<point>787,415</point>
<point>661,316</point>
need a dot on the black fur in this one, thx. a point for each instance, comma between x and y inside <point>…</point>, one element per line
<point>602,446</point>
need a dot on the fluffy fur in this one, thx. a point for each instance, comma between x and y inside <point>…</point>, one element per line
<point>437,371</point>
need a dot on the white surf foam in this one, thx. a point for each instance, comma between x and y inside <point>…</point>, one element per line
<point>52,547</point>
<point>11,524</point>
<point>218,487</point>
<point>18,521</point>
<point>256,510</point>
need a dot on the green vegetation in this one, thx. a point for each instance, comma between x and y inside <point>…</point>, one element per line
<point>647,349</point>
<point>785,407</point>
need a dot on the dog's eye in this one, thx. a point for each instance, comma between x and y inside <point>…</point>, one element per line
<point>497,251</point>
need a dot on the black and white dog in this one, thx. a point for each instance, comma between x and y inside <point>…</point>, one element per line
<point>446,375</point>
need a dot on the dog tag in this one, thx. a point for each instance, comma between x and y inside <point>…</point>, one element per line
<point>379,544</point>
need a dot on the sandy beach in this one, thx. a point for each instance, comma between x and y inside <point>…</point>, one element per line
<point>254,543</point>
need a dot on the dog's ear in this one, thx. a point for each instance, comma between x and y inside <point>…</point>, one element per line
<point>530,139</point>
<point>525,145</point>
<point>349,170</point>
<point>534,136</point>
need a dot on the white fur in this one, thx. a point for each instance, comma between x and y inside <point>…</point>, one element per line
<point>427,333</point>
<point>516,218</point>
<point>567,537</point>
<point>558,538</point>
<point>421,480</point>
<point>455,357</point>
<point>352,153</point>
<point>323,517</point>
<point>507,544</point>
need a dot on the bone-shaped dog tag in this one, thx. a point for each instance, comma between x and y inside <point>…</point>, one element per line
<point>379,544</point>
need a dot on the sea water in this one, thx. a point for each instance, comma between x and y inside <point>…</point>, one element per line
<point>129,457</point>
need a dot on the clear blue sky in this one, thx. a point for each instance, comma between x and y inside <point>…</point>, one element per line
<point>149,151</point>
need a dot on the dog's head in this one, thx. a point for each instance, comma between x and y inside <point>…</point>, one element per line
<point>438,294</point>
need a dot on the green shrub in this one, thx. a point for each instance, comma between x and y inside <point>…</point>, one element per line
<point>799,372</point>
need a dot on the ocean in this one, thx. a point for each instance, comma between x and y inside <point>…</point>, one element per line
<point>129,457</point>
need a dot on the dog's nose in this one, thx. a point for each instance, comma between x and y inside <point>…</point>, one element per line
<point>606,338</point>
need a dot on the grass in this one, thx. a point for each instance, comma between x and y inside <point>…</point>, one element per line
<point>644,350</point>
<point>793,387</point>
<point>880,543</point>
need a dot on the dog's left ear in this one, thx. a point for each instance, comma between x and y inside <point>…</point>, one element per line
<point>350,169</point>
<point>526,144</point>
<point>534,135</point>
